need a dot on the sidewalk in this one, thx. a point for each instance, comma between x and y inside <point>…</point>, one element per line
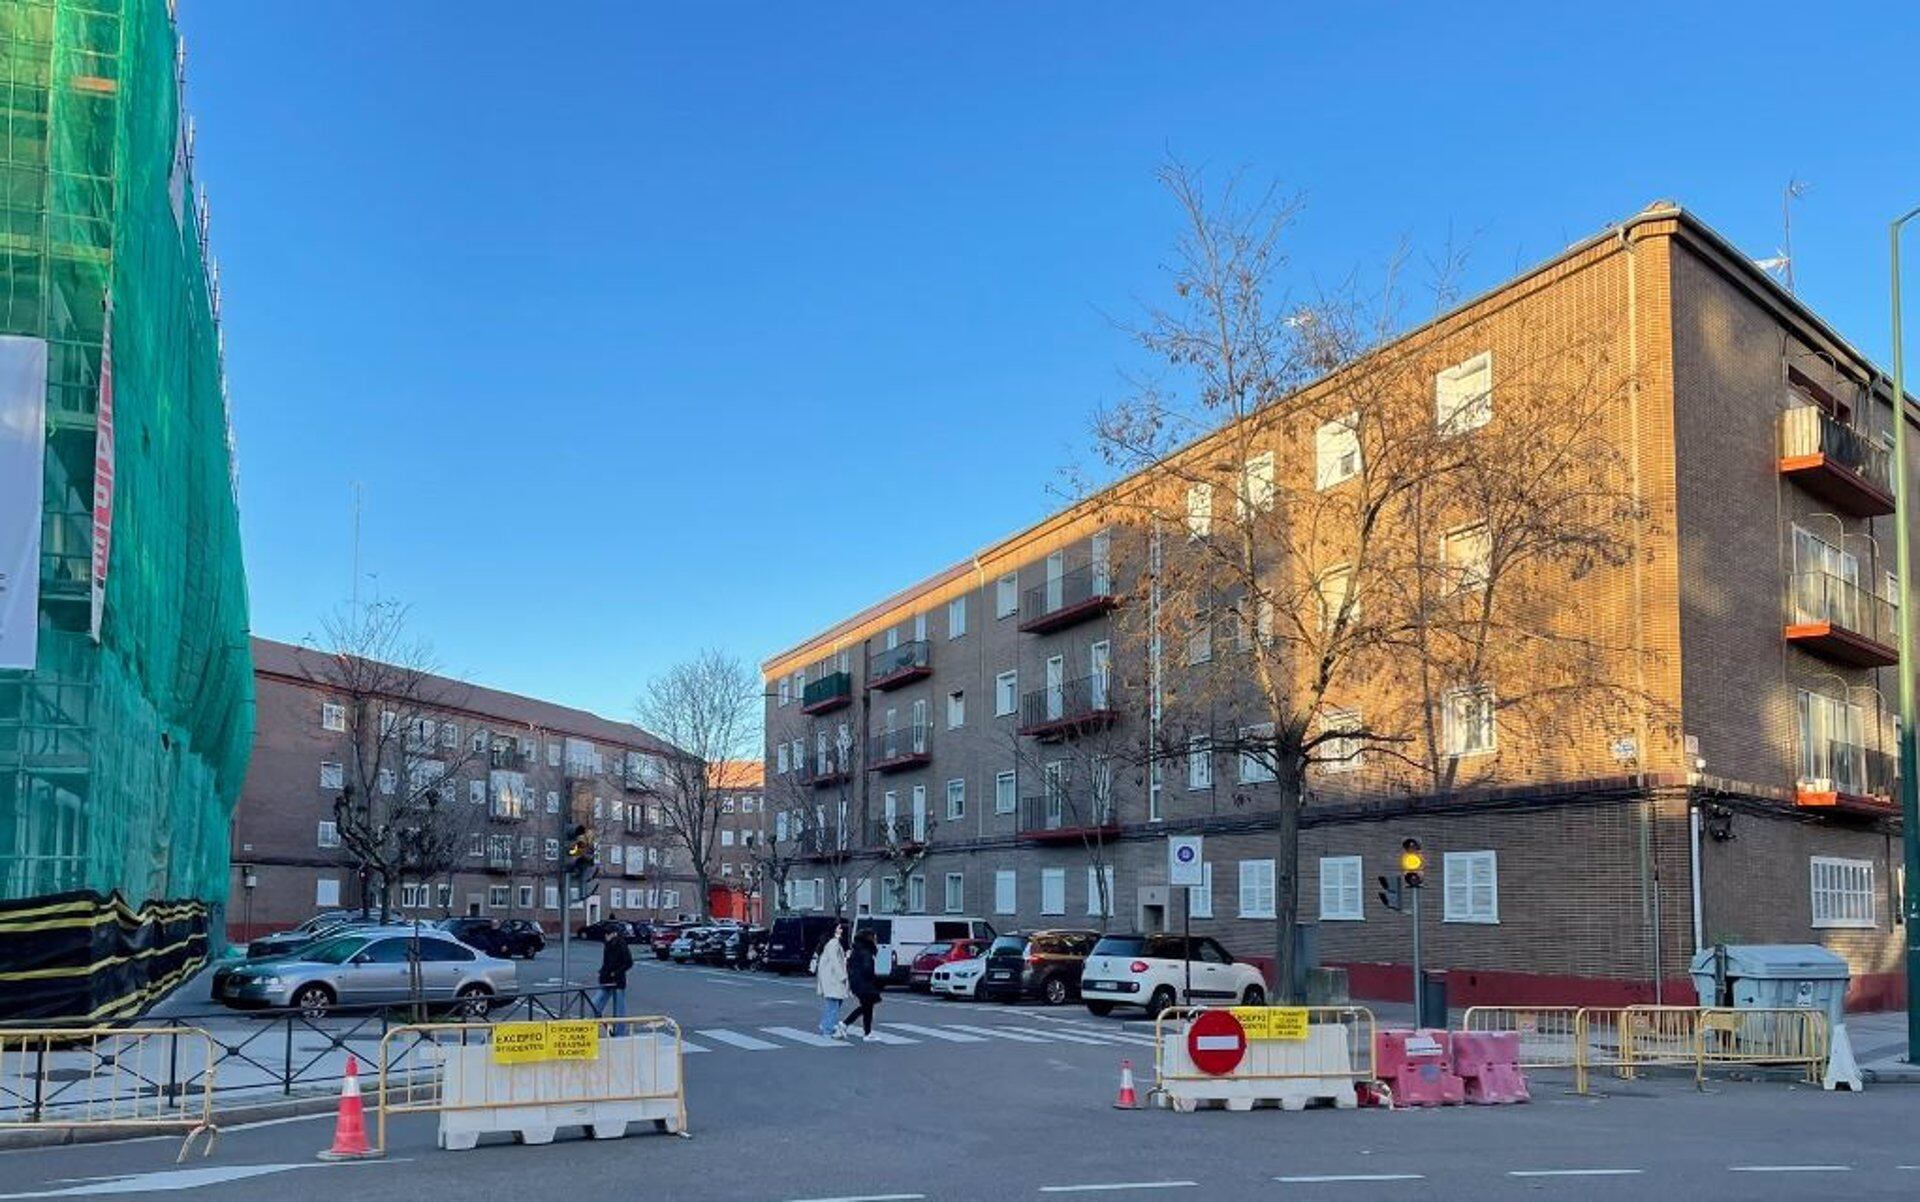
<point>1880,1047</point>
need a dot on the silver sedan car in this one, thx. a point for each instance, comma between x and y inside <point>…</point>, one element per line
<point>370,968</point>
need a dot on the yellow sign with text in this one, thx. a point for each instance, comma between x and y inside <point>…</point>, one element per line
<point>1273,1022</point>
<point>530,1043</point>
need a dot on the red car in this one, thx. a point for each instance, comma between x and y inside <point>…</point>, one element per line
<point>934,955</point>
<point>663,936</point>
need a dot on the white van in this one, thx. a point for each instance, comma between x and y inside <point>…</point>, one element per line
<point>901,937</point>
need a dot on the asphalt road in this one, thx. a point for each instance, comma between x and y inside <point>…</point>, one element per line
<point>974,1101</point>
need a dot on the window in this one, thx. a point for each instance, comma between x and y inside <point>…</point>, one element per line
<point>553,755</point>
<point>726,805</point>
<point>956,899</point>
<point>329,835</point>
<point>956,709</point>
<point>332,776</point>
<point>956,800</point>
<point>387,782</point>
<point>1006,693</point>
<point>726,840</point>
<point>919,628</point>
<point>1099,905</point>
<point>413,897</point>
<point>526,897</point>
<point>326,892</point>
<point>956,617</point>
<point>1467,721</point>
<point>450,735</point>
<point>1466,558</point>
<point>1004,796</point>
<point>1463,395</point>
<point>1256,768</point>
<point>1256,888</point>
<point>333,716</point>
<point>479,741</point>
<point>1340,899</point>
<point>1006,596</point>
<point>477,792</point>
<point>1200,635</point>
<point>1843,893</point>
<point>1256,484</point>
<point>387,720</point>
<point>780,759</point>
<point>1199,762</point>
<point>1006,891</point>
<point>550,897</point>
<point>1053,891</point>
<point>1200,896</point>
<point>1333,587</point>
<point>476,846</point>
<point>553,801</point>
<point>496,897</point>
<point>1341,753</point>
<point>1336,451</point>
<point>1472,887</point>
<point>1832,750</point>
<point>1199,510</point>
<point>786,689</point>
<point>552,849</point>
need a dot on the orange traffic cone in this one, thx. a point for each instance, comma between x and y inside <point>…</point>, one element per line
<point>1126,1100</point>
<point>350,1127</point>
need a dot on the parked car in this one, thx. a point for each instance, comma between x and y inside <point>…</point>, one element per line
<point>960,978</point>
<point>686,948</point>
<point>597,932</point>
<point>900,937</point>
<point>1043,966</point>
<point>663,936</point>
<point>520,937</point>
<point>481,934</point>
<point>371,969</point>
<point>932,956</point>
<point>1151,971</point>
<point>281,942</point>
<point>794,940</point>
<point>733,947</point>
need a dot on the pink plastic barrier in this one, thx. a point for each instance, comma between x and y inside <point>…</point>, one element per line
<point>1488,1062</point>
<point>1418,1065</point>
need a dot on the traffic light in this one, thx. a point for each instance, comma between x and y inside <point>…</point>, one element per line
<point>581,853</point>
<point>1413,862</point>
<point>1390,894</point>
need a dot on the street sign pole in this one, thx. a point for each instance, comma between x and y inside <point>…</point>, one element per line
<point>1186,944</point>
<point>1186,870</point>
<point>1419,985</point>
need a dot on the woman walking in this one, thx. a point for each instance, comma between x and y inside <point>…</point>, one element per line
<point>863,983</point>
<point>830,980</point>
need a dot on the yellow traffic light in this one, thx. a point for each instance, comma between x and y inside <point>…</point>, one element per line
<point>1412,861</point>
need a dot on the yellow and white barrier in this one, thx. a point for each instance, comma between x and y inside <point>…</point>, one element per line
<point>1627,1039</point>
<point>125,1079</point>
<point>1294,1056</point>
<point>530,1079</point>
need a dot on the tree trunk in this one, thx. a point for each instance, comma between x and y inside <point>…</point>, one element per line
<point>1286,885</point>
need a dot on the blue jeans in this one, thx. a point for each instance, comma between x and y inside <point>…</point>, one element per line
<point>609,996</point>
<point>829,1014</point>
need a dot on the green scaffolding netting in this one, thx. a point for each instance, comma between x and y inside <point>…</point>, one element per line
<point>120,761</point>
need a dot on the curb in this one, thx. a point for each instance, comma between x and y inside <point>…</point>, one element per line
<point>23,1138</point>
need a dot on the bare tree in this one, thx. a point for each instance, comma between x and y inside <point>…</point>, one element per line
<point>1345,557</point>
<point>707,708</point>
<point>817,824</point>
<point>397,814</point>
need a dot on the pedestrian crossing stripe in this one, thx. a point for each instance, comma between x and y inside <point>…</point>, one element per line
<point>772,1039</point>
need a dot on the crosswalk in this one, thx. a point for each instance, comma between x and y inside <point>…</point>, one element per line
<point>781,1038</point>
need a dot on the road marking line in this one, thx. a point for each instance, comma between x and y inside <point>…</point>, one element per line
<point>811,1039</point>
<point>1789,1168</point>
<point>1116,1185</point>
<point>998,1033</point>
<point>866,1198</point>
<point>937,1033</point>
<point>1574,1172</point>
<point>1065,1036</point>
<point>687,1045</point>
<point>1330,1178</point>
<point>734,1038</point>
<point>879,1036</point>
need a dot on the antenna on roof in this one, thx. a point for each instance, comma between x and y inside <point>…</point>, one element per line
<point>1782,262</point>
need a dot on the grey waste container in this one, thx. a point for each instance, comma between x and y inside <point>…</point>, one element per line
<point>1763,976</point>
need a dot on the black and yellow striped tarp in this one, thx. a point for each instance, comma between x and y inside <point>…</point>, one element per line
<point>82,955</point>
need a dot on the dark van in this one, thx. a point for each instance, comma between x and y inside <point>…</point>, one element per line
<point>794,940</point>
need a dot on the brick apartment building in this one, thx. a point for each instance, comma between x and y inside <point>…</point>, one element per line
<point>1749,801</point>
<point>525,770</point>
<point>734,889</point>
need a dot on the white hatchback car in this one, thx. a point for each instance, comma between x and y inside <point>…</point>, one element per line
<point>1152,971</point>
<point>960,978</point>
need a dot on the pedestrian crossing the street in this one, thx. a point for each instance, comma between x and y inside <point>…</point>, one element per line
<point>782,1038</point>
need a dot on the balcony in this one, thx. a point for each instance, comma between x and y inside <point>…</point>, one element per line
<point>1067,710</point>
<point>1056,818</point>
<point>1838,620</point>
<point>508,760</point>
<point>900,665</point>
<point>827,694</point>
<point>1838,776</point>
<point>899,750</point>
<point>823,843</point>
<point>1085,592</point>
<point>902,830</point>
<point>825,774</point>
<point>1835,462</point>
<point>507,809</point>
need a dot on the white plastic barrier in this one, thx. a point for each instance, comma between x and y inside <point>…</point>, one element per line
<point>1291,1073</point>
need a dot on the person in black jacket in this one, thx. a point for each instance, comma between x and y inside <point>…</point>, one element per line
<point>615,961</point>
<point>862,983</point>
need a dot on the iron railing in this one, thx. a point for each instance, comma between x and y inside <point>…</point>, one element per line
<point>1072,701</point>
<point>1824,597</point>
<point>901,830</point>
<point>1062,812</point>
<point>1808,430</point>
<point>1835,766</point>
<point>833,689</point>
<point>900,744</point>
<point>910,658</point>
<point>1086,589</point>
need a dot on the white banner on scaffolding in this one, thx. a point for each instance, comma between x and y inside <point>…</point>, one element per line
<point>23,449</point>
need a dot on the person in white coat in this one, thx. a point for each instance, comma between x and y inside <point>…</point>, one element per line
<point>830,980</point>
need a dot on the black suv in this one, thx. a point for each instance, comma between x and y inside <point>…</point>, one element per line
<point>1044,965</point>
<point>794,940</point>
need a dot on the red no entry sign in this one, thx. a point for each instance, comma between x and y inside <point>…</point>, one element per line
<point>1216,1042</point>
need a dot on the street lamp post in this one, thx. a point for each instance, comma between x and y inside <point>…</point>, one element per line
<point>1909,786</point>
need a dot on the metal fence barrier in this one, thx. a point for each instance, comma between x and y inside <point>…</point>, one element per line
<point>1626,1039</point>
<point>109,1078</point>
<point>422,1071</point>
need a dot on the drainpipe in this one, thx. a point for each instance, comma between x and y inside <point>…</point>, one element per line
<point>1693,872</point>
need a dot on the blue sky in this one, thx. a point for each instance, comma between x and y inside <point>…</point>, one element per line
<point>647,328</point>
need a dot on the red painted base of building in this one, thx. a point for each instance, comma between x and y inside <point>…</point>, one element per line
<point>1479,987</point>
